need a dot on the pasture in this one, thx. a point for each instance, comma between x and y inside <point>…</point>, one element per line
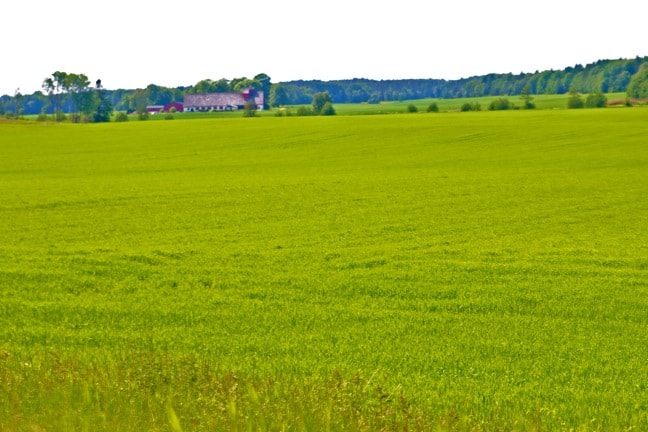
<point>460,271</point>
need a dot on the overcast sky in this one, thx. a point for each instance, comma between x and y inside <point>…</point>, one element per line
<point>133,43</point>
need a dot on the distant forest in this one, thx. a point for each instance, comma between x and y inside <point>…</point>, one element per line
<point>603,76</point>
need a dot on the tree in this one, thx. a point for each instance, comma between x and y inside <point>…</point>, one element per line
<point>411,108</point>
<point>103,105</point>
<point>240,84</point>
<point>471,107</point>
<point>327,109</point>
<point>250,109</point>
<point>525,95</point>
<point>638,86</point>
<point>575,100</point>
<point>500,104</point>
<point>319,100</point>
<point>17,102</point>
<point>55,86</point>
<point>208,86</point>
<point>595,100</point>
<point>278,96</point>
<point>433,107</point>
<point>78,87</point>
<point>266,85</point>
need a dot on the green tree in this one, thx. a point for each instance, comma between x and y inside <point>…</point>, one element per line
<point>525,95</point>
<point>319,100</point>
<point>500,104</point>
<point>240,84</point>
<point>266,85</point>
<point>17,103</point>
<point>55,86</point>
<point>278,96</point>
<point>208,86</point>
<point>595,100</point>
<point>304,111</point>
<point>471,107</point>
<point>433,107</point>
<point>78,87</point>
<point>575,100</point>
<point>250,109</point>
<point>411,108</point>
<point>327,109</point>
<point>103,106</point>
<point>638,86</point>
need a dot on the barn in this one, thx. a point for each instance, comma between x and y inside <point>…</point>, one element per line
<point>230,101</point>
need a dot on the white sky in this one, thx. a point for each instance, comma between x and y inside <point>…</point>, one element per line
<point>133,43</point>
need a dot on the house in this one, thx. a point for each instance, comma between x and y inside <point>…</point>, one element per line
<point>223,101</point>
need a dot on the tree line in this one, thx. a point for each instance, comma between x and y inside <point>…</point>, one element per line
<point>72,93</point>
<point>604,76</point>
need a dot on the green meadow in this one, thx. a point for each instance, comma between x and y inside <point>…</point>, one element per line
<point>472,271</point>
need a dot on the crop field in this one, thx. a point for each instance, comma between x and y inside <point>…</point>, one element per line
<point>473,271</point>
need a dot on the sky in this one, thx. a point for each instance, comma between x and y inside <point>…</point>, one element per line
<point>133,43</point>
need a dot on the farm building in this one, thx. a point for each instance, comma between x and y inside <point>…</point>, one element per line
<point>223,101</point>
<point>177,105</point>
<point>153,109</point>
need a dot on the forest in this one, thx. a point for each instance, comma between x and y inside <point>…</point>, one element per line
<point>603,76</point>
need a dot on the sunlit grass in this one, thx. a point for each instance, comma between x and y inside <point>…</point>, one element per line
<point>464,271</point>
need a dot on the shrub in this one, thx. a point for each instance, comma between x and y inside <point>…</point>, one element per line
<point>250,109</point>
<point>411,108</point>
<point>327,109</point>
<point>595,100</point>
<point>575,101</point>
<point>173,110</point>
<point>168,116</point>
<point>305,111</point>
<point>433,107</point>
<point>529,105</point>
<point>471,107</point>
<point>121,117</point>
<point>500,104</point>
<point>144,115</point>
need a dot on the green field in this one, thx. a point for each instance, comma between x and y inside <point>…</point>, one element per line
<point>398,107</point>
<point>461,271</point>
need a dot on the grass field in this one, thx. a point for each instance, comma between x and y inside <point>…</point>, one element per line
<point>462,271</point>
<point>398,107</point>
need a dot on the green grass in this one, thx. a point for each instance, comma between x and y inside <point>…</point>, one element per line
<point>464,271</point>
<point>395,107</point>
